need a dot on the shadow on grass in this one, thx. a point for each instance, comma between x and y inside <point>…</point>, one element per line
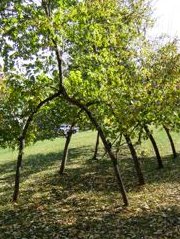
<point>170,172</point>
<point>84,174</point>
<point>39,162</point>
<point>35,164</point>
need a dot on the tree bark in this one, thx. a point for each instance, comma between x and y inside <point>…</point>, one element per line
<point>155,147</point>
<point>135,159</point>
<point>96,147</point>
<point>65,152</point>
<point>18,165</point>
<point>171,141</point>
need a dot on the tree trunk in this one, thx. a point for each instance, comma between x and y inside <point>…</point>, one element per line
<point>18,165</point>
<point>155,147</point>
<point>135,159</point>
<point>112,157</point>
<point>171,142</point>
<point>96,147</point>
<point>93,120</point>
<point>105,142</point>
<point>65,152</point>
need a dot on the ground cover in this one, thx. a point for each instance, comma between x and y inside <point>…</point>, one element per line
<point>85,202</point>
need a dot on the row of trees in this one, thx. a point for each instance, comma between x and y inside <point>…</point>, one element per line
<point>85,62</point>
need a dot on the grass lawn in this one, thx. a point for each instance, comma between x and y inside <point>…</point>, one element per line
<point>85,203</point>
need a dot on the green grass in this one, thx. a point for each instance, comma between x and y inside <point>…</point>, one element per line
<point>85,203</point>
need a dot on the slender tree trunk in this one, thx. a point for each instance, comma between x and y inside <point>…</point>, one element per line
<point>171,141</point>
<point>105,142</point>
<point>155,147</point>
<point>135,159</point>
<point>96,147</point>
<point>65,152</point>
<point>18,165</point>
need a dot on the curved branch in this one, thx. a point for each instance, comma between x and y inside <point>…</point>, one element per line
<point>22,143</point>
<point>104,140</point>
